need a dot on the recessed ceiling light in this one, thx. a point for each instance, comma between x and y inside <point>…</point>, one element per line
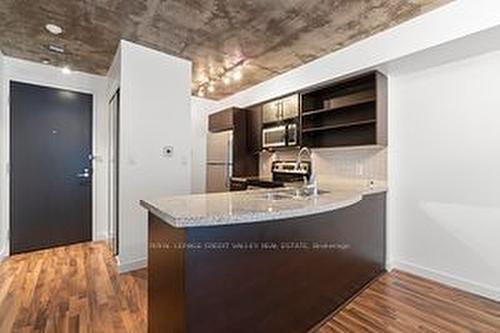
<point>211,87</point>
<point>46,61</point>
<point>53,29</point>
<point>226,79</point>
<point>237,75</point>
<point>66,70</point>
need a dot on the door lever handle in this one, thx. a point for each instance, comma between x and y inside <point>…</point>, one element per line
<point>84,174</point>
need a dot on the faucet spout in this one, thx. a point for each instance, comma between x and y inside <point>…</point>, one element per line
<point>312,177</point>
<point>302,151</point>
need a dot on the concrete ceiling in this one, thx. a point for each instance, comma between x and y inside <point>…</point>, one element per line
<point>261,38</point>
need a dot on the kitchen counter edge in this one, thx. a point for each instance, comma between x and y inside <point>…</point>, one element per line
<point>256,217</point>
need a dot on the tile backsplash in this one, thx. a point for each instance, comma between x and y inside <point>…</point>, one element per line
<point>361,163</point>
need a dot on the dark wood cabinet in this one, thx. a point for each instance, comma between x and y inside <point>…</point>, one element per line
<point>351,112</point>
<point>280,109</point>
<point>343,113</point>
<point>318,263</point>
<point>222,121</point>
<point>254,129</point>
<point>245,162</point>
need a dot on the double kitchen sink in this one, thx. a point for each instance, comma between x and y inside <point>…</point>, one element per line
<point>294,193</point>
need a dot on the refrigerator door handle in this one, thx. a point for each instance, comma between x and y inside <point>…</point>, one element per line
<point>229,173</point>
<point>229,167</point>
<point>226,175</point>
<point>230,148</point>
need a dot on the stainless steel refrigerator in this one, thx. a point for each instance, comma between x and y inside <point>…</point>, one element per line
<point>219,161</point>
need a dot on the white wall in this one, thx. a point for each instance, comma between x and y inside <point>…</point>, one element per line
<point>444,177</point>
<point>29,72</point>
<point>155,97</point>
<point>199,111</point>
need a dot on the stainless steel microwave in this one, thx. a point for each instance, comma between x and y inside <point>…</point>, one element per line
<point>280,136</point>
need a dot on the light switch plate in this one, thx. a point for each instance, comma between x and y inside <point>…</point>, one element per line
<point>360,170</point>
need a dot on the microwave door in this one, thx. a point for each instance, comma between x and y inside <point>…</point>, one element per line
<point>274,137</point>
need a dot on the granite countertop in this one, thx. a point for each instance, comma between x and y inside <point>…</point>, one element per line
<point>215,209</point>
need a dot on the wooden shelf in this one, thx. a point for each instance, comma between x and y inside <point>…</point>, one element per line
<point>351,148</point>
<point>368,99</point>
<point>337,126</point>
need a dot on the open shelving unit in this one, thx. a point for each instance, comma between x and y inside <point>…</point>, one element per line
<point>351,112</point>
<point>338,126</point>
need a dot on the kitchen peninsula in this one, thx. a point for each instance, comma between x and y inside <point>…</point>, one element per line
<point>278,260</point>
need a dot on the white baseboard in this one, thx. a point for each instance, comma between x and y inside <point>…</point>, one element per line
<point>389,266</point>
<point>4,253</point>
<point>132,265</point>
<point>448,279</point>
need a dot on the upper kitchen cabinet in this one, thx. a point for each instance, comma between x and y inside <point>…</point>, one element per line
<point>222,120</point>
<point>290,107</point>
<point>281,109</point>
<point>351,112</point>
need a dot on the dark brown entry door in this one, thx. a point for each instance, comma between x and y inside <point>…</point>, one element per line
<point>50,170</point>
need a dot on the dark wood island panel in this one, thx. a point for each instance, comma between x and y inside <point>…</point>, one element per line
<point>279,281</point>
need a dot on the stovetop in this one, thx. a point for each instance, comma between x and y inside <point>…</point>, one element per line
<point>282,172</point>
<point>265,182</point>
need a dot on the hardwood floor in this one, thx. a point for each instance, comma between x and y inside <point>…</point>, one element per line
<point>70,289</point>
<point>401,302</point>
<point>77,289</point>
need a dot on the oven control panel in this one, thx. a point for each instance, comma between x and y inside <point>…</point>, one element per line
<point>289,171</point>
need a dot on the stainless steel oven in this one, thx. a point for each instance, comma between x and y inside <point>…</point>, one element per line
<point>280,136</point>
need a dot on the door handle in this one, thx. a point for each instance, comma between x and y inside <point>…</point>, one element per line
<point>84,174</point>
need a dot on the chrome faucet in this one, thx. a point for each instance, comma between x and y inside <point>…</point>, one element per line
<point>312,176</point>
